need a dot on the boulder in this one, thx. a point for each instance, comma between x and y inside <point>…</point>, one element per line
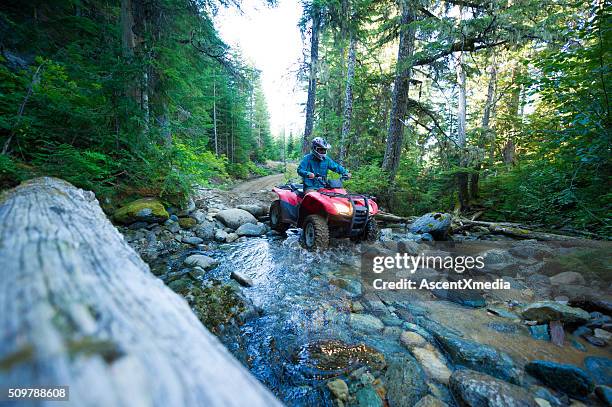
<point>366,323</point>
<point>220,235</point>
<point>255,210</point>
<point>433,363</point>
<point>192,240</point>
<point>478,356</point>
<point>234,218</point>
<point>567,278</point>
<point>231,237</point>
<point>405,381</point>
<point>141,210</point>
<point>435,223</point>
<point>546,311</point>
<point>430,401</point>
<point>187,223</point>
<point>600,369</point>
<point>242,279</point>
<point>567,378</point>
<point>412,340</point>
<point>200,260</point>
<point>339,389</point>
<point>206,230</point>
<point>199,215</point>
<point>249,229</point>
<point>477,389</point>
<point>386,235</point>
<point>368,397</point>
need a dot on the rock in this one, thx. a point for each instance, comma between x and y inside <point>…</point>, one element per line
<point>231,237</point>
<point>600,369</point>
<point>367,397</point>
<point>412,339</point>
<point>338,388</point>
<point>544,393</point>
<point>539,332</point>
<point>605,394</point>
<point>201,260</point>
<point>141,210</point>
<point>365,323</point>
<point>430,401</point>
<point>480,357</point>
<point>180,286</point>
<point>255,210</point>
<point>220,235</point>
<point>234,218</point>
<point>386,235</point>
<point>436,224</point>
<point>433,363</point>
<point>199,216</point>
<point>502,312</point>
<point>602,334</point>
<point>467,298</point>
<point>138,225</point>
<point>189,207</point>
<point>405,381</point>
<point>173,227</point>
<point>242,279</point>
<point>192,240</point>
<point>476,389</point>
<point>567,278</point>
<point>205,231</point>
<point>566,378</point>
<point>187,223</point>
<point>412,248</point>
<point>249,229</point>
<point>546,311</point>
<point>595,341</point>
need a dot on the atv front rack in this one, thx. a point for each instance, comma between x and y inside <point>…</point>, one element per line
<point>359,218</point>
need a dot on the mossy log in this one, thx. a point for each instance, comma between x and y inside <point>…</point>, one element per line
<point>513,230</point>
<point>80,308</point>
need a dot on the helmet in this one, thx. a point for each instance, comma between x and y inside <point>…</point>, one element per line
<point>320,147</point>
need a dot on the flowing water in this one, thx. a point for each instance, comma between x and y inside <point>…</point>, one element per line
<point>303,335</point>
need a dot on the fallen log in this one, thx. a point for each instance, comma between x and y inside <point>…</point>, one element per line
<point>387,217</point>
<point>81,309</point>
<point>514,230</point>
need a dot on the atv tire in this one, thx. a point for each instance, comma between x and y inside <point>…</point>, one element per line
<point>315,233</point>
<point>371,231</point>
<point>370,234</point>
<point>276,218</point>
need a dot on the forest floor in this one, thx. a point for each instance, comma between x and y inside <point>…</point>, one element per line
<point>312,329</point>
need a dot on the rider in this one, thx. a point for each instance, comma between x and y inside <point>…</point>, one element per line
<point>314,166</point>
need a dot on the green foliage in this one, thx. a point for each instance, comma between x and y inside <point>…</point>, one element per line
<point>73,103</point>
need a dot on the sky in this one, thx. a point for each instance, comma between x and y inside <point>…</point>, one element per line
<point>269,38</point>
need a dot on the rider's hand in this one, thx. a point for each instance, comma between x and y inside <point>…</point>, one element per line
<point>348,175</point>
<point>311,175</point>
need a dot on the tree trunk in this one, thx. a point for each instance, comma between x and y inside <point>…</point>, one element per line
<point>312,78</point>
<point>128,39</point>
<point>348,99</point>
<point>489,106</point>
<point>215,117</point>
<point>395,136</point>
<point>81,309</point>
<point>462,177</point>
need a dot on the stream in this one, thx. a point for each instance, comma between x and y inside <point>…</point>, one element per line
<point>316,324</point>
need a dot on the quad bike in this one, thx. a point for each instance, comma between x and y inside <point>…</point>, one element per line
<point>328,212</point>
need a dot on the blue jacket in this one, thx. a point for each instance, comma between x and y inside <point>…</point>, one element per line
<point>310,163</point>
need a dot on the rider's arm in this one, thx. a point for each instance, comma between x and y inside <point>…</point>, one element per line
<point>337,168</point>
<point>302,169</point>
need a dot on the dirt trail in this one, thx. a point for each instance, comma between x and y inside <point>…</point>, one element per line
<point>267,182</point>
<point>258,184</point>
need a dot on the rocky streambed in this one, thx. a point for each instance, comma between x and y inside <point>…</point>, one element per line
<point>311,328</point>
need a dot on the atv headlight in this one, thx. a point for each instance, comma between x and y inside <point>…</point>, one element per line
<point>343,209</point>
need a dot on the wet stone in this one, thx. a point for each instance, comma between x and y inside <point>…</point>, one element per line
<point>566,378</point>
<point>539,332</point>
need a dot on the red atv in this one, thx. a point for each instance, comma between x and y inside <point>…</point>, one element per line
<point>328,212</point>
